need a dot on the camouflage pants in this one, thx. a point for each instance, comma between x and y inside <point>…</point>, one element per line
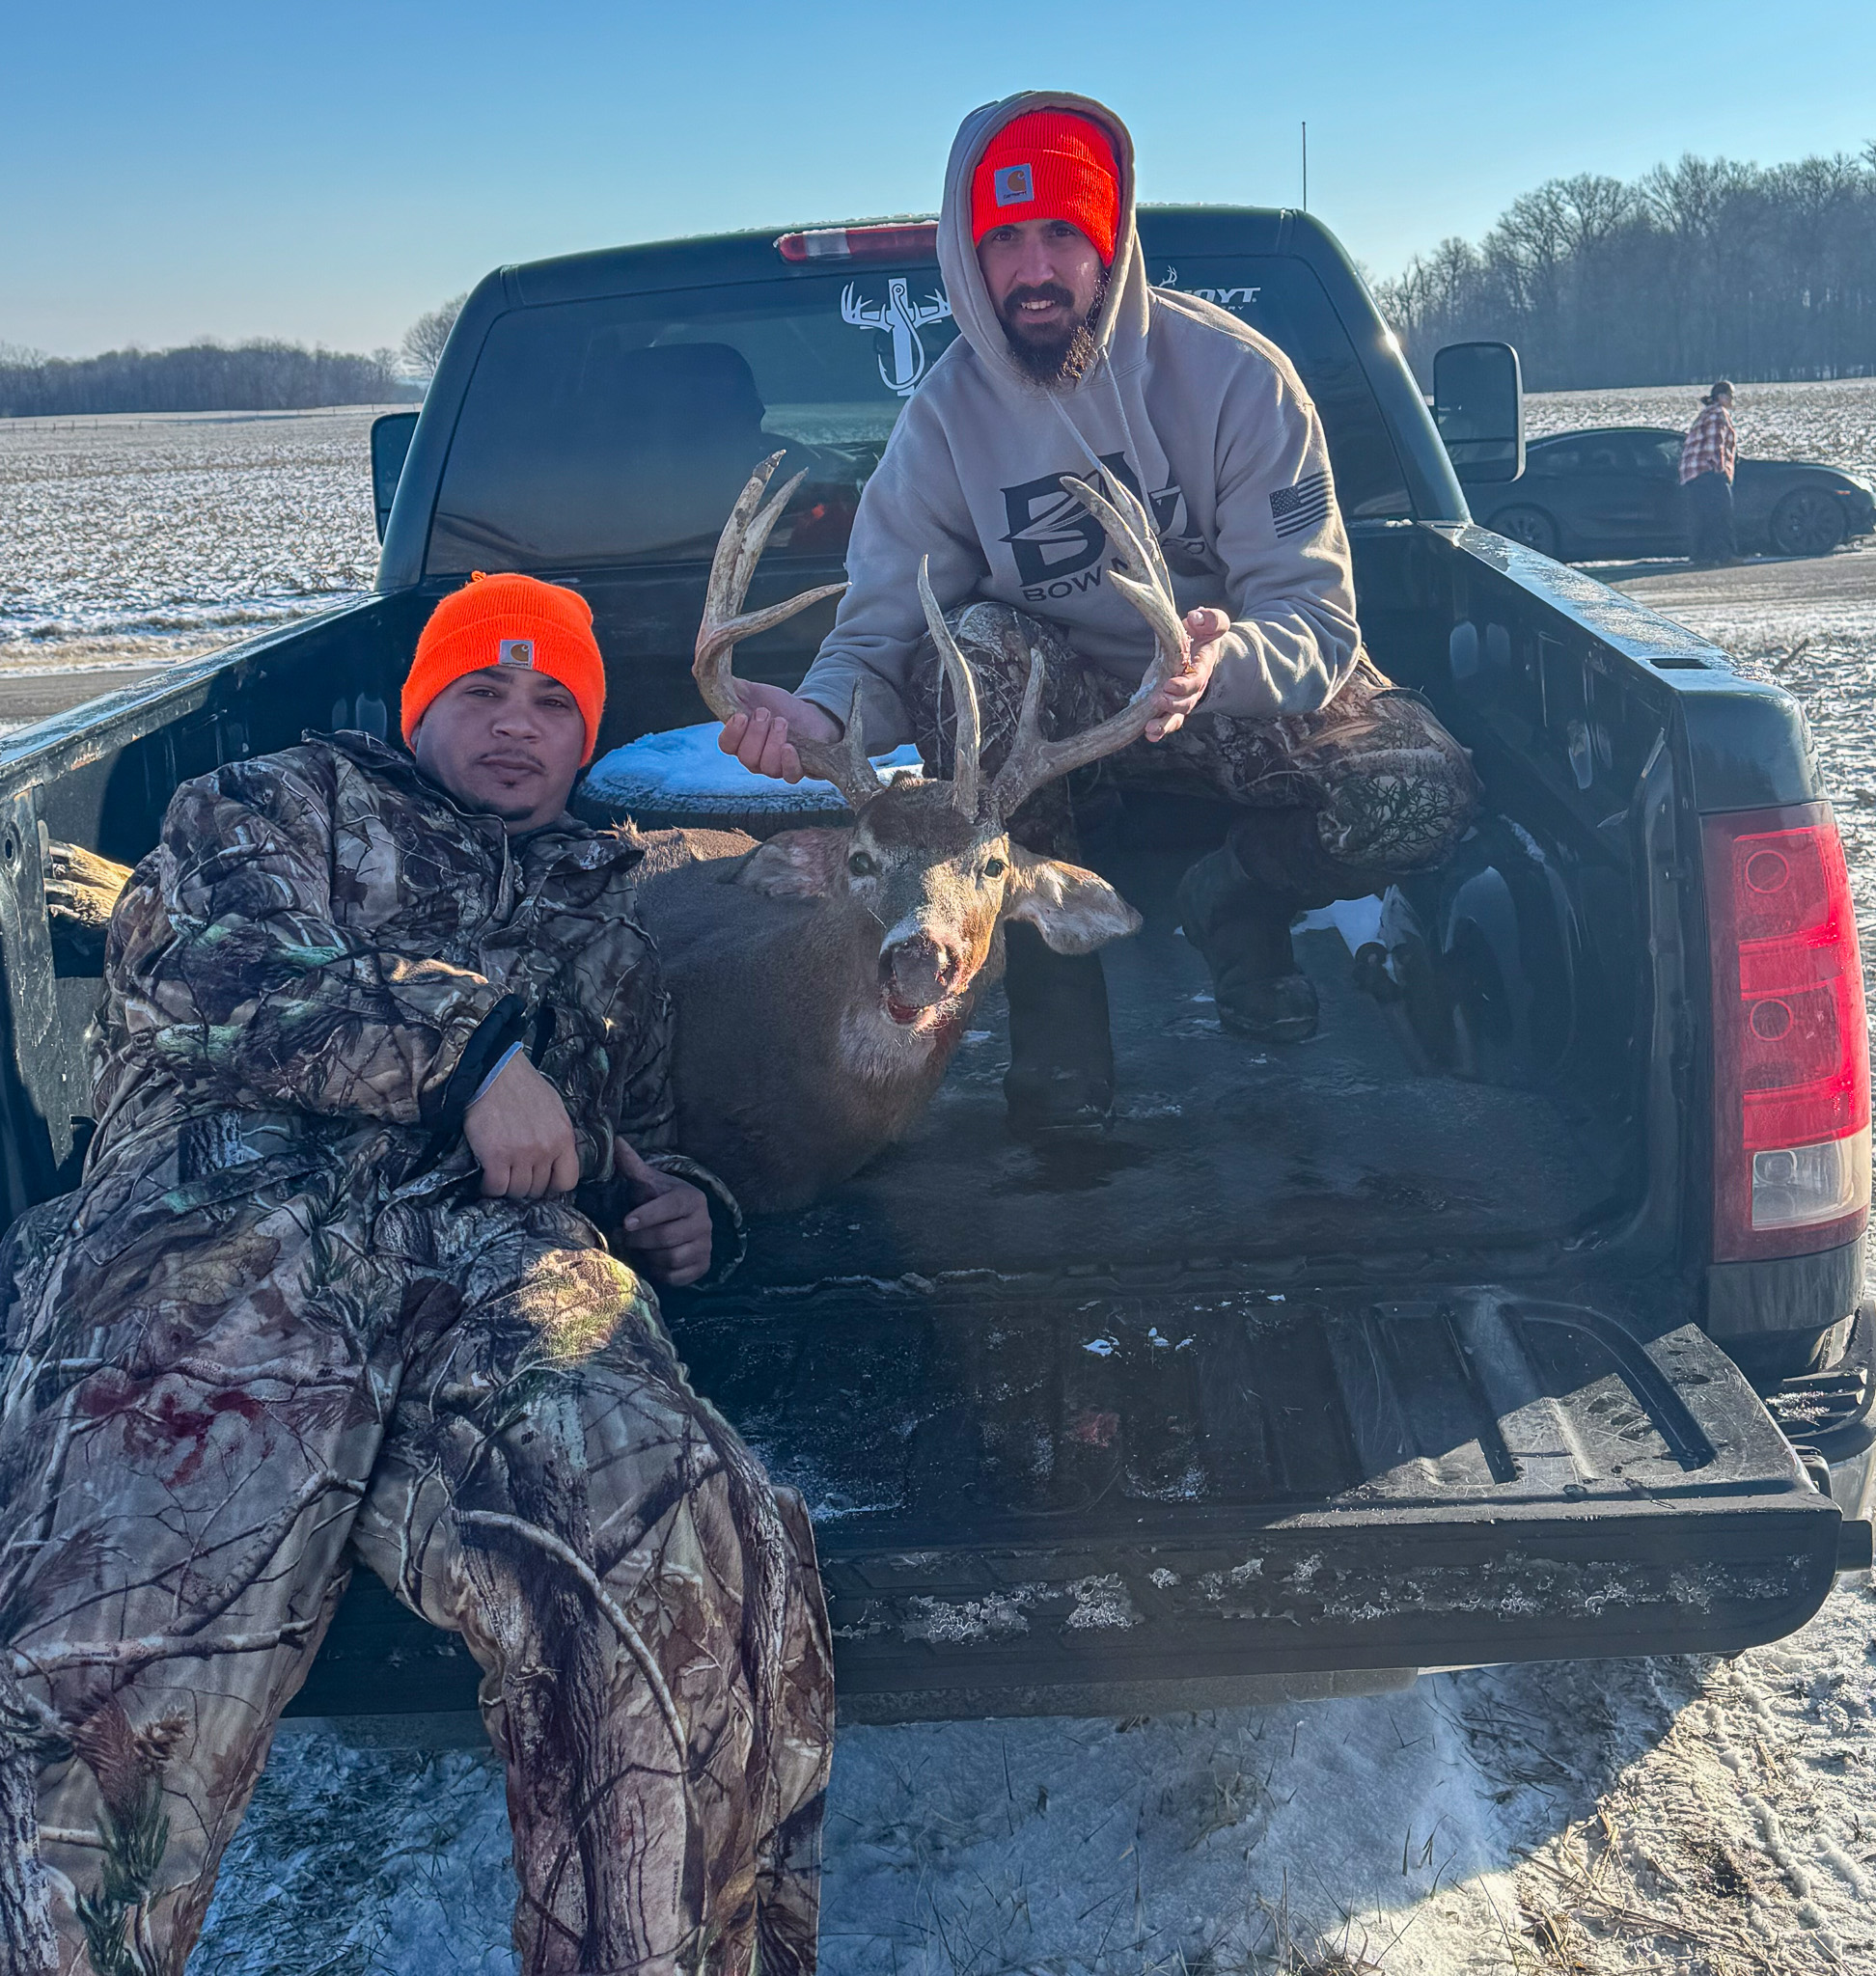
<point>221,1393</point>
<point>1369,788</point>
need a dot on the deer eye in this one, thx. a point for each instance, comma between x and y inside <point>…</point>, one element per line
<point>994,867</point>
<point>860,865</point>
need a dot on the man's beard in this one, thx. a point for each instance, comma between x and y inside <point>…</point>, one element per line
<point>1063,359</point>
<point>503,809</point>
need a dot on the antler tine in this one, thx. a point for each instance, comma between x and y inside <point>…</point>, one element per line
<point>739,550</point>
<point>843,763</point>
<point>968,740</point>
<point>1148,586</point>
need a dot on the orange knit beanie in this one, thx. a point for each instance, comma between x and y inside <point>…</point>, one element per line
<point>1049,165</point>
<point>509,619</point>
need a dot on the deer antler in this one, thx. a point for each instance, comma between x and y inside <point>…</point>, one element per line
<point>1148,586</point>
<point>739,548</point>
<point>968,740</point>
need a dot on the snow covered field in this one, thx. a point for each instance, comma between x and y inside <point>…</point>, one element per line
<point>140,540</point>
<point>1707,1818</point>
<point>1683,1814</point>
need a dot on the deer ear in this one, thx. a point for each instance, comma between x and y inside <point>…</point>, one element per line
<point>796,863</point>
<point>1074,911</point>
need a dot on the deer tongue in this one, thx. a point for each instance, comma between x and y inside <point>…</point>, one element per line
<point>905,1013</point>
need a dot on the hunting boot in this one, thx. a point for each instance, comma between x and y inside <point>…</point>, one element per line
<point>1061,1076</point>
<point>1242,926</point>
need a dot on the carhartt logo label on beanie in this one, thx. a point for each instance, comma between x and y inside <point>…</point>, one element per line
<point>1015,185</point>
<point>515,651</point>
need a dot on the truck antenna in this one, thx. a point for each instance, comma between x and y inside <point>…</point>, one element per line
<point>1306,164</point>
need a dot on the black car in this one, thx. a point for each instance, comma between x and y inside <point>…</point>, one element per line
<point>1615,492</point>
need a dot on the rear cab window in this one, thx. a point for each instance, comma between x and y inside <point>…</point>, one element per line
<point>619,431</point>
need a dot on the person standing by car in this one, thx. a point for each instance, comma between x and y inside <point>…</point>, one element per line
<point>1706,471</point>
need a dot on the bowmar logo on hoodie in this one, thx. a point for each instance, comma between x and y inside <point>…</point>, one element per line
<point>1055,540</point>
<point>1182,400</point>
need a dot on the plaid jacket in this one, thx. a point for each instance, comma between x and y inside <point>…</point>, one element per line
<point>1710,445</point>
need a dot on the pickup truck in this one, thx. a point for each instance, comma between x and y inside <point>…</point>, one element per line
<point>1515,1316</point>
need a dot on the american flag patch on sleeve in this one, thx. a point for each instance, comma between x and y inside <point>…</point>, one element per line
<point>1302,510</point>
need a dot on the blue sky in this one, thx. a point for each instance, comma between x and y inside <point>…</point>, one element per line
<point>328,172</point>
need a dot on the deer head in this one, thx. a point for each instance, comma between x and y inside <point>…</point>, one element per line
<point>927,867</point>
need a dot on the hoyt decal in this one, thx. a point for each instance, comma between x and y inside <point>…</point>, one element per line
<point>1236,299</point>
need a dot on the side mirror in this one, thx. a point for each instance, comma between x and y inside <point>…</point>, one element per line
<point>1478,408</point>
<point>390,443</point>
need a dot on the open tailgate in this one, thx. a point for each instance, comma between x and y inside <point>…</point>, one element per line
<point>1084,1504</point>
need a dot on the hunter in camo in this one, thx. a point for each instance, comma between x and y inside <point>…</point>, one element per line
<point>278,1329</point>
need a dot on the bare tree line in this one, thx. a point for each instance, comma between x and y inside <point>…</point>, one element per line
<point>265,376</point>
<point>423,340</point>
<point>1696,270</point>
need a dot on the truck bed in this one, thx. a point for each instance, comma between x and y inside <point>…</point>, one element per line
<point>1220,1147</point>
<point>1360,1140</point>
<point>1290,1384</point>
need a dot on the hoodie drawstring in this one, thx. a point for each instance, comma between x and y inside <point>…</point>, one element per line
<point>1131,448</point>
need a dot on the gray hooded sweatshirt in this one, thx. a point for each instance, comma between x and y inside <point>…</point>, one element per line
<point>1184,402</point>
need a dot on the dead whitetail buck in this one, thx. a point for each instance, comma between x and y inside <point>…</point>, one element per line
<point>822,980</point>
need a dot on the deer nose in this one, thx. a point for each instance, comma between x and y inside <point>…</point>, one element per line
<point>918,970</point>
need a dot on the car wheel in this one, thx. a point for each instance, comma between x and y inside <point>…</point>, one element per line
<point>1806,522</point>
<point>1530,526</point>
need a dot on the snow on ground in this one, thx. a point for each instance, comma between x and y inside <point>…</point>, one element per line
<point>1624,1814</point>
<point>161,537</point>
<point>1833,424</point>
<point>1687,1814</point>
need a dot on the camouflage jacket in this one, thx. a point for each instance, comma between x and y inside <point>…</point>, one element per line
<point>324,956</point>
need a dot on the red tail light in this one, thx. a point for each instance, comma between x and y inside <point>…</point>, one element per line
<point>1792,1044</point>
<point>906,241</point>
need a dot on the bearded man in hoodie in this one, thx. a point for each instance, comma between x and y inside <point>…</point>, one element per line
<point>1068,363</point>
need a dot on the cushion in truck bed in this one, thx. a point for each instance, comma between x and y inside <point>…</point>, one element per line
<point>682,776</point>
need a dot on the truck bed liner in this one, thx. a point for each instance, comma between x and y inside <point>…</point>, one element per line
<point>1143,1488</point>
<point>1220,1146</point>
